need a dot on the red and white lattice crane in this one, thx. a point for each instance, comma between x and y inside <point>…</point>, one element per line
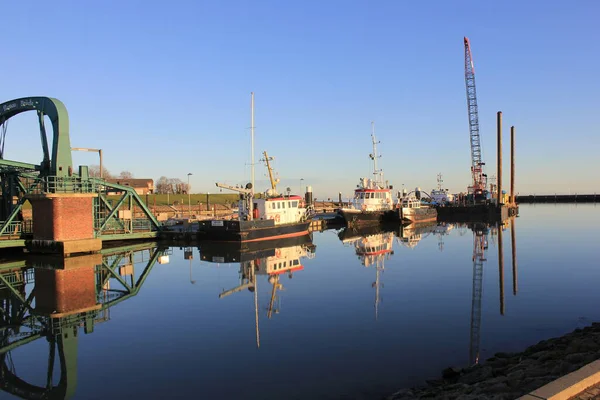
<point>479,183</point>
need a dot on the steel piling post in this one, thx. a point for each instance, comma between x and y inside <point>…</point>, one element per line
<point>512,165</point>
<point>499,160</point>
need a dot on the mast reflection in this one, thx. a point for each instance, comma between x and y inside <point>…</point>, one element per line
<point>273,258</point>
<point>373,246</point>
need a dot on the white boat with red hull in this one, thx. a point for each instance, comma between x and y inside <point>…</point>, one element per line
<point>372,202</point>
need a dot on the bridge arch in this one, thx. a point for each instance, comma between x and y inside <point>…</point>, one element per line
<point>59,163</point>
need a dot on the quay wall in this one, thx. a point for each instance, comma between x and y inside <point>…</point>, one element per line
<point>558,198</point>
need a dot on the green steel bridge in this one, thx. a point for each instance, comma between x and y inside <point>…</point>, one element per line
<point>121,219</point>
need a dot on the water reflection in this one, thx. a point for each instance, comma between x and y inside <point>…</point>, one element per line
<point>52,298</point>
<point>55,298</point>
<point>274,258</point>
<point>481,232</point>
<point>375,244</point>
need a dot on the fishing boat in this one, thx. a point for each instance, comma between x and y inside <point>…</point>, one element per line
<point>270,216</point>
<point>413,210</point>
<point>372,202</point>
<point>440,196</point>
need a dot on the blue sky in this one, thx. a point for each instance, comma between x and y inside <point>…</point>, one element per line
<point>164,88</point>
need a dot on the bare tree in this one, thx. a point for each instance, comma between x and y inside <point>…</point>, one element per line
<point>125,175</point>
<point>162,185</point>
<point>94,171</point>
<point>170,185</point>
<point>176,185</point>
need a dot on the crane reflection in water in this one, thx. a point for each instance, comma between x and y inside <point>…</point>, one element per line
<point>481,233</point>
<point>272,258</point>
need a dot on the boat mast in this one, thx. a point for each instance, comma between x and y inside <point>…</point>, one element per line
<point>252,264</point>
<point>251,205</point>
<point>377,173</point>
<point>376,290</point>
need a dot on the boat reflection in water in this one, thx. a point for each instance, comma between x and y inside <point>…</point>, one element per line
<point>410,235</point>
<point>373,246</point>
<point>272,258</point>
<point>52,298</point>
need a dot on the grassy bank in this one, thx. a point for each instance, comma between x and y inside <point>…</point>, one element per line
<point>177,199</point>
<point>195,198</point>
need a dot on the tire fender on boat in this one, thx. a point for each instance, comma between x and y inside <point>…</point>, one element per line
<point>277,218</point>
<point>277,253</point>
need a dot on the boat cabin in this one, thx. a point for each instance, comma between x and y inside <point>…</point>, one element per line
<point>281,209</point>
<point>410,202</point>
<point>370,196</point>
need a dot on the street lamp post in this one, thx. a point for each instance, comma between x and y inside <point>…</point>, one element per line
<point>189,196</point>
<point>207,203</point>
<point>301,185</point>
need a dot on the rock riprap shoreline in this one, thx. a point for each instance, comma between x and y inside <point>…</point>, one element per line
<point>510,375</point>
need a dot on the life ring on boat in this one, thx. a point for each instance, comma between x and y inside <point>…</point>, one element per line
<point>364,207</point>
<point>277,218</point>
<point>277,253</point>
<point>389,201</point>
<point>270,217</point>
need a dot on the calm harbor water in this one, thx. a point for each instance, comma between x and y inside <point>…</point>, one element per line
<point>346,315</point>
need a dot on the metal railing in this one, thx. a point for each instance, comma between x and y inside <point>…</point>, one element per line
<point>17,228</point>
<point>59,184</point>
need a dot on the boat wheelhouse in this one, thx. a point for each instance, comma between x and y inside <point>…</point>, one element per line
<point>413,210</point>
<point>441,196</point>
<point>372,196</point>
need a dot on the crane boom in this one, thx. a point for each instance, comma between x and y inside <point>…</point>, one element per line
<point>479,178</point>
<point>235,189</point>
<point>267,160</point>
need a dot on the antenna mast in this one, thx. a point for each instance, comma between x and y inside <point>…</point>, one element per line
<point>376,172</point>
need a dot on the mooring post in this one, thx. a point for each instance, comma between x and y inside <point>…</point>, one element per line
<point>501,268</point>
<point>499,172</point>
<point>513,244</point>
<point>512,165</point>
